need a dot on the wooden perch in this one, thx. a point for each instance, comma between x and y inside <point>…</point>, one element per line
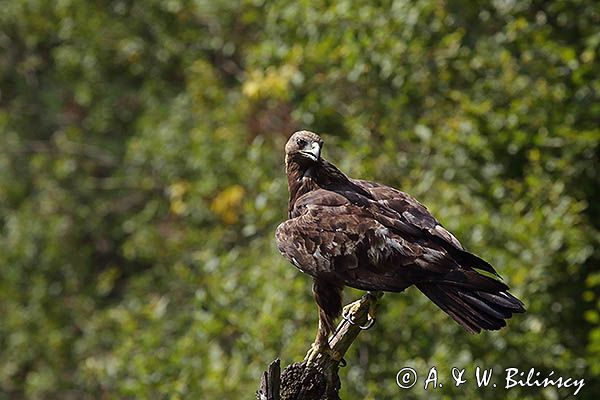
<point>269,383</point>
<point>320,380</point>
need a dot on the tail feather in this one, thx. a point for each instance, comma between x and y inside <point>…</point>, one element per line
<point>503,299</point>
<point>470,279</point>
<point>482,306</point>
<point>475,301</point>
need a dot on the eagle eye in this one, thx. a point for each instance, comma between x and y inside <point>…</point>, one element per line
<point>301,142</point>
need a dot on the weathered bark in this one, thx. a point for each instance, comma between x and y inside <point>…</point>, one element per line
<point>320,380</point>
<point>269,382</point>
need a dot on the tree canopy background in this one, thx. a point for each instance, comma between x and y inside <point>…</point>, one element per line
<point>141,180</point>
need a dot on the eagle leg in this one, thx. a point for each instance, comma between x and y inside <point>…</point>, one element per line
<point>321,345</point>
<point>328,296</point>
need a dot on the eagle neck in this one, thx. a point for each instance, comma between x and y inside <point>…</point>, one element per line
<point>300,181</point>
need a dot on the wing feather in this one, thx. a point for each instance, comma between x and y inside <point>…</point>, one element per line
<point>362,246</point>
<point>414,214</point>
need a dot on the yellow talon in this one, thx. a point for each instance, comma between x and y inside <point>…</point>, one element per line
<point>352,308</point>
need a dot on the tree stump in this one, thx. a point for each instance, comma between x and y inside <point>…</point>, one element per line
<point>320,380</point>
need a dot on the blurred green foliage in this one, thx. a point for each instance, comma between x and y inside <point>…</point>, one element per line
<point>141,180</point>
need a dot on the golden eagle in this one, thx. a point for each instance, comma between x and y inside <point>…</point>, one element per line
<point>351,232</point>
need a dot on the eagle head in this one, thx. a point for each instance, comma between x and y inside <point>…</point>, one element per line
<point>304,147</point>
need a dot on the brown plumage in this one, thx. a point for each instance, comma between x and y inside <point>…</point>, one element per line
<point>350,232</point>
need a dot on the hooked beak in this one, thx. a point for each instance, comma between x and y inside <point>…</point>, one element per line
<point>314,152</point>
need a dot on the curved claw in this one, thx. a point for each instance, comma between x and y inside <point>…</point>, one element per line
<point>369,325</point>
<point>346,317</point>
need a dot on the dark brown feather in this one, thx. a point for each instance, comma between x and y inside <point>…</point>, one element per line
<point>369,236</point>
